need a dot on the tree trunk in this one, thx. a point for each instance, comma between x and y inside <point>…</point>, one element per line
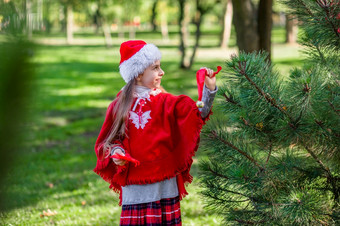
<point>107,35</point>
<point>164,24</point>
<point>183,22</point>
<point>69,24</point>
<point>47,21</point>
<point>227,22</point>
<point>98,20</point>
<point>291,29</point>
<point>153,15</point>
<point>265,25</point>
<point>120,30</point>
<point>62,18</point>
<point>29,19</point>
<point>244,19</point>
<point>197,37</point>
<point>132,32</point>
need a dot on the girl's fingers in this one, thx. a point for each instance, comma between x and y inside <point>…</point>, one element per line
<point>119,162</point>
<point>119,152</point>
<point>209,71</point>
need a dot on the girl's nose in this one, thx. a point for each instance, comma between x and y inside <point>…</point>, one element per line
<point>161,73</point>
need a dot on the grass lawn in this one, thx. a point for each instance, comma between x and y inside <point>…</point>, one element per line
<point>75,84</point>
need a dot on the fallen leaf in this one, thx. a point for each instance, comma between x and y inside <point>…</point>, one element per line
<point>50,185</point>
<point>48,213</point>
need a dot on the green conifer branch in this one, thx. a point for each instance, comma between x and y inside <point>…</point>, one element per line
<point>326,169</point>
<point>237,149</point>
<point>337,111</point>
<point>263,109</point>
<point>217,174</point>
<point>307,9</point>
<point>260,91</point>
<point>270,151</point>
<point>250,222</point>
<point>320,53</point>
<point>325,6</point>
<point>231,100</point>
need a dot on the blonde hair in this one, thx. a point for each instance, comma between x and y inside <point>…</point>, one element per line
<point>120,114</point>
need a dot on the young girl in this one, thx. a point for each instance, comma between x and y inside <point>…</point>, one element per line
<point>157,132</point>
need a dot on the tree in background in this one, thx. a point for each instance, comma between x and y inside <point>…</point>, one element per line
<point>183,22</point>
<point>253,25</point>
<point>202,8</point>
<point>153,15</point>
<point>291,29</point>
<point>69,6</point>
<point>226,23</point>
<point>274,156</point>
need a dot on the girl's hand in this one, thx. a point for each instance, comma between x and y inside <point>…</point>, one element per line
<point>119,162</point>
<point>210,81</point>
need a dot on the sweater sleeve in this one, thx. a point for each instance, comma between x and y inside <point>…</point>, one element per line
<point>207,98</point>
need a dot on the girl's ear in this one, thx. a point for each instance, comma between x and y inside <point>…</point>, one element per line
<point>139,77</point>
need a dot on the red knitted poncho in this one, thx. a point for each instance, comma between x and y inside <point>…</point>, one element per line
<point>163,133</point>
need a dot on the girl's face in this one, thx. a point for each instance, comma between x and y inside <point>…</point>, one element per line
<point>151,77</point>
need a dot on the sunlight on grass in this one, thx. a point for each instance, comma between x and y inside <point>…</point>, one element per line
<point>55,121</point>
<point>75,85</point>
<point>78,91</point>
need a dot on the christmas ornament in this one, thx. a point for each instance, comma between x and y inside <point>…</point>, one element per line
<point>200,77</point>
<point>126,157</point>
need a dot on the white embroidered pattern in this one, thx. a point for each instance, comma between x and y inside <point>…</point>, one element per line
<point>139,118</point>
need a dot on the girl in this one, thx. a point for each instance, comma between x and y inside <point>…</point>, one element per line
<point>157,131</point>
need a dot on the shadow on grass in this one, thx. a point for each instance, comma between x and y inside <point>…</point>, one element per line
<point>76,88</point>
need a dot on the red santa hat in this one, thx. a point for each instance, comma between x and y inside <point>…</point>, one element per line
<point>136,56</point>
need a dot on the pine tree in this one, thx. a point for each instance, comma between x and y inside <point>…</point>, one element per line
<point>273,148</point>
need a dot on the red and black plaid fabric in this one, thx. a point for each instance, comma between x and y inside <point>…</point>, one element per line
<point>163,212</point>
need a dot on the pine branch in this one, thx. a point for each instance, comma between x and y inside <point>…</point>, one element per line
<point>326,169</point>
<point>307,9</point>
<point>325,6</point>
<point>320,53</point>
<point>332,179</point>
<point>249,222</point>
<point>231,100</point>
<point>246,122</point>
<point>237,149</point>
<point>237,193</point>
<point>329,131</point>
<point>227,190</point>
<point>217,174</point>
<point>334,109</point>
<point>267,97</point>
<point>270,151</point>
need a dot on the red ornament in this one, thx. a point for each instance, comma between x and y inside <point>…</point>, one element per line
<point>200,76</point>
<point>126,158</point>
<point>339,30</point>
<point>338,16</point>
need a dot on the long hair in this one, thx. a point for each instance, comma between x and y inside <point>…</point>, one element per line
<point>120,114</point>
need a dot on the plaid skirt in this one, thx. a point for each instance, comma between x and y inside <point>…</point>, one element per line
<point>163,212</point>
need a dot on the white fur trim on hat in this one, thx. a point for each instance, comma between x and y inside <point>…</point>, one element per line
<point>135,65</point>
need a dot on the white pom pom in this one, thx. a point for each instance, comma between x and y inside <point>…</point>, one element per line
<point>200,104</point>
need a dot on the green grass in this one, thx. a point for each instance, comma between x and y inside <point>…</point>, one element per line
<point>75,84</point>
